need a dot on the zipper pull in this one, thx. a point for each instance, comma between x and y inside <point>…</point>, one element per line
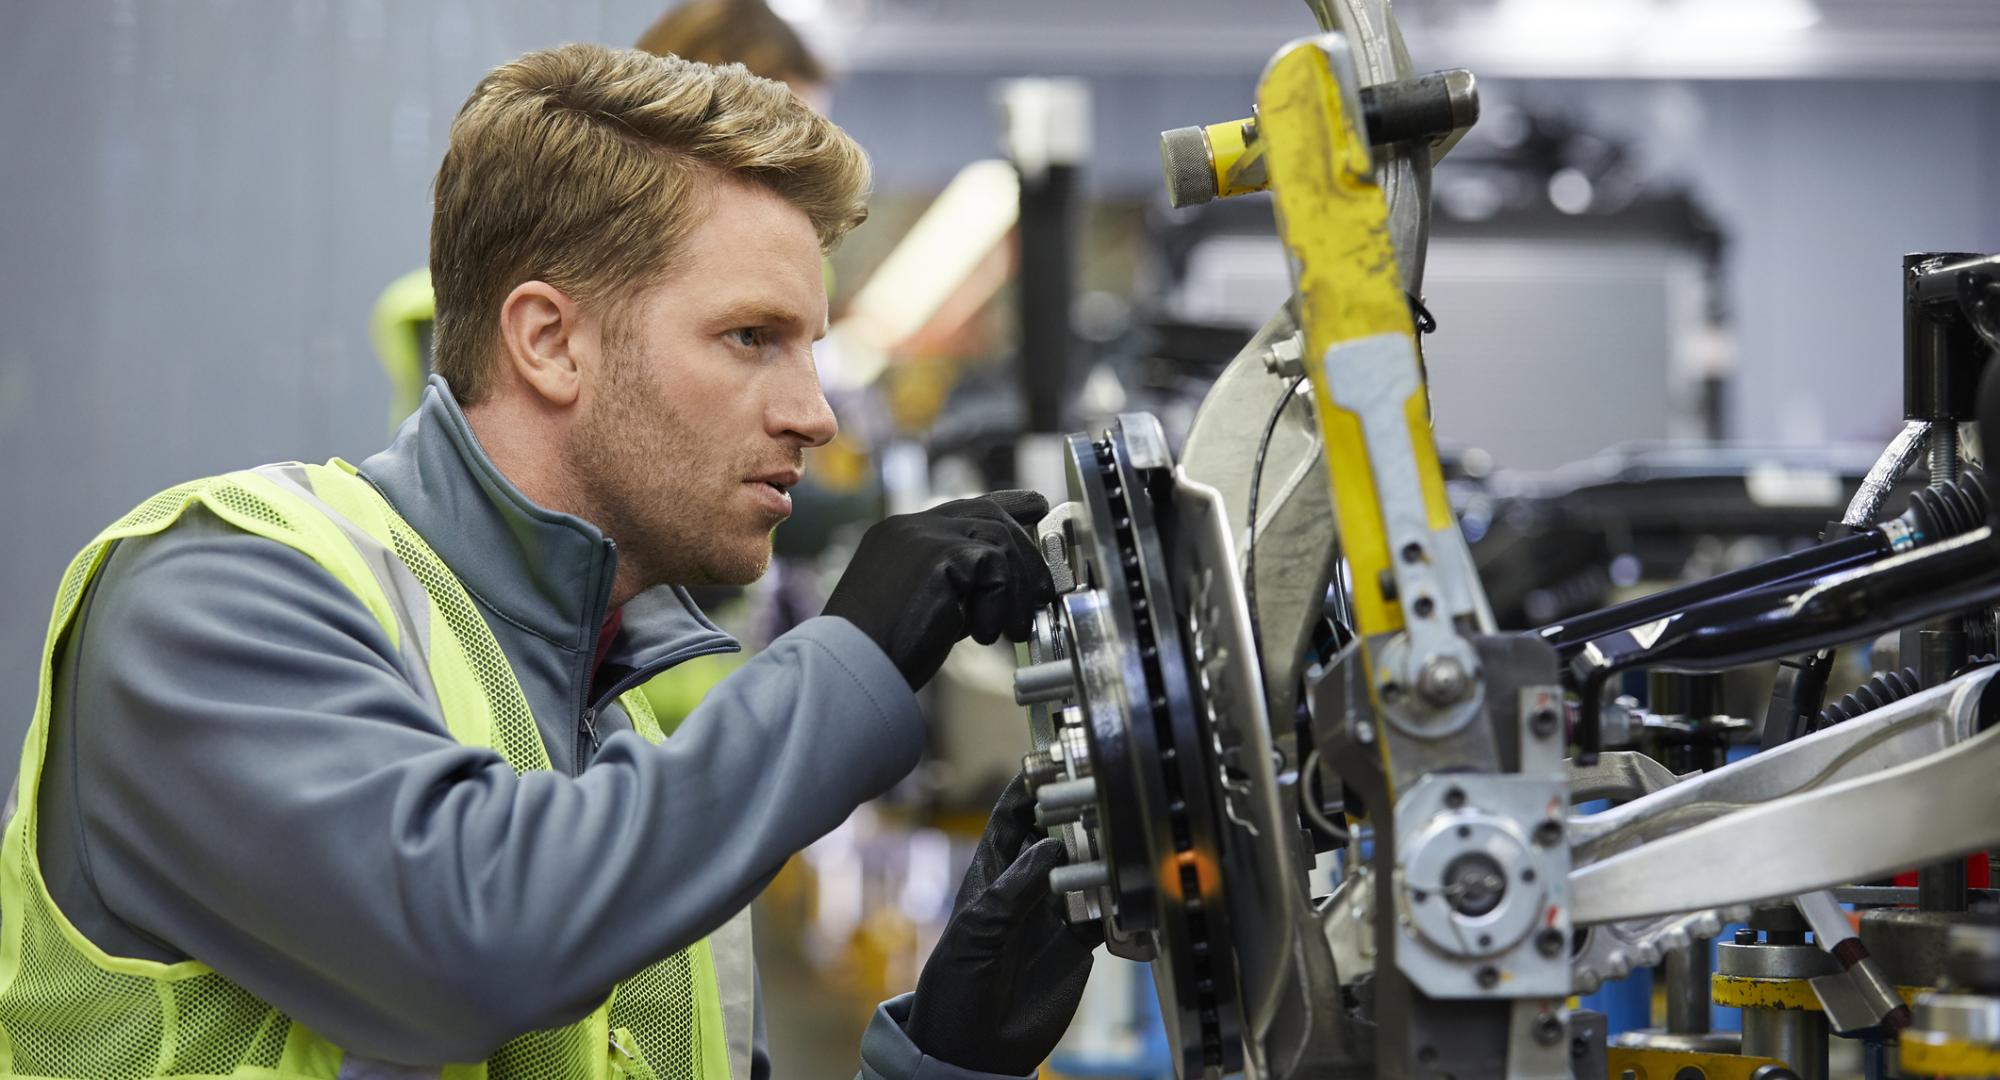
<point>590,727</point>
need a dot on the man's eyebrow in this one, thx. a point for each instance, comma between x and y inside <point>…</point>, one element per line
<point>757,313</point>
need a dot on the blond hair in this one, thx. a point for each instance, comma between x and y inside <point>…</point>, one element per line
<point>586,167</point>
<point>746,32</point>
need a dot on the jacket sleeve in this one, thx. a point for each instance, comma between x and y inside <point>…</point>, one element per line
<point>888,1054</point>
<point>259,787</point>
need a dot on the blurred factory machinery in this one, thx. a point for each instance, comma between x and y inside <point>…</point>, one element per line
<point>1347,745</point>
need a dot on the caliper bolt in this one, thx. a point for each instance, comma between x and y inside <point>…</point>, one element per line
<point>1443,681</point>
<point>1548,1030</point>
<point>1543,722</point>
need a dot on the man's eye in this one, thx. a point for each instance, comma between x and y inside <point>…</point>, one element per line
<point>747,336</point>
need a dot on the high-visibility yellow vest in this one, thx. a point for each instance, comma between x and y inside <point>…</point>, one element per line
<point>68,1009</point>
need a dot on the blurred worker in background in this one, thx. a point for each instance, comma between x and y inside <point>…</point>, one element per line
<point>338,771</point>
<point>743,32</point>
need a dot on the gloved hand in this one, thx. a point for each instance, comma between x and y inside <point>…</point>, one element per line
<point>919,582</point>
<point>1008,971</point>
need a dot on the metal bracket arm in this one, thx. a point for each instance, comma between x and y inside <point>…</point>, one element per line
<point>1895,734</point>
<point>1936,807</point>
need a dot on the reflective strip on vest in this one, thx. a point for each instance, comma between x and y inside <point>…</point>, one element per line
<point>69,1010</point>
<point>736,983</point>
<point>407,598</point>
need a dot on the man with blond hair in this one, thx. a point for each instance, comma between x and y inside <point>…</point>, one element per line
<point>340,772</point>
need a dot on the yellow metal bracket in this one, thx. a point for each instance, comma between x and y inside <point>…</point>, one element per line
<point>1748,992</point>
<point>1648,1064</point>
<point>1932,1053</point>
<point>1334,222</point>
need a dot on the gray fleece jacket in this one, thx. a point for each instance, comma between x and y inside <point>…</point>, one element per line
<point>241,771</point>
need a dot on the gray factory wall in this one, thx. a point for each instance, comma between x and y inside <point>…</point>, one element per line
<point>199,203</point>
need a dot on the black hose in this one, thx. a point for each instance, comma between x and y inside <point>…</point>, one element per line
<point>1935,513</point>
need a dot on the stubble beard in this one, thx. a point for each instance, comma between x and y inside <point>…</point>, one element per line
<point>656,489</point>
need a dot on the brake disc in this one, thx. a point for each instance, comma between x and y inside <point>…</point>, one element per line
<point>1154,818</point>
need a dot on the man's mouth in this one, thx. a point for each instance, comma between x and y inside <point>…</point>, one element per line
<point>779,484</point>
<point>782,482</point>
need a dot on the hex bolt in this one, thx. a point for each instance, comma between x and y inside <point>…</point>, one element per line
<point>1488,977</point>
<point>1040,768</point>
<point>1548,1029</point>
<point>1078,877</point>
<point>1050,680</point>
<point>1549,942</point>
<point>1443,681</point>
<point>1746,936</point>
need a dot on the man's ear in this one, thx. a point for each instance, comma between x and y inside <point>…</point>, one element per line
<point>540,337</point>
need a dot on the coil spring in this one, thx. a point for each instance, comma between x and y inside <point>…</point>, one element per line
<point>1953,508</point>
<point>1883,689</point>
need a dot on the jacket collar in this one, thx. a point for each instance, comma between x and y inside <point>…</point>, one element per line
<point>545,571</point>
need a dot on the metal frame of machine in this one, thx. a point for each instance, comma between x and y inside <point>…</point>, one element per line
<point>1201,735</point>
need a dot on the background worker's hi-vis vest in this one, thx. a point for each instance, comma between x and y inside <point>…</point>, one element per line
<point>68,1009</point>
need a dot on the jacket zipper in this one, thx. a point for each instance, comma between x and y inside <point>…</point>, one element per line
<point>644,675</point>
<point>586,729</point>
<point>588,740</point>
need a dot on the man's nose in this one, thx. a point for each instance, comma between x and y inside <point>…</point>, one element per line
<point>803,415</point>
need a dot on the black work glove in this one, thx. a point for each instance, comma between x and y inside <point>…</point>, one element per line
<point>1008,971</point>
<point>919,582</point>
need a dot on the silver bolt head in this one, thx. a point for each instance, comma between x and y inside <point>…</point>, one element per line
<point>1443,681</point>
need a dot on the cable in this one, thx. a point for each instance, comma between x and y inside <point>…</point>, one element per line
<point>1250,533</point>
<point>1309,800</point>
